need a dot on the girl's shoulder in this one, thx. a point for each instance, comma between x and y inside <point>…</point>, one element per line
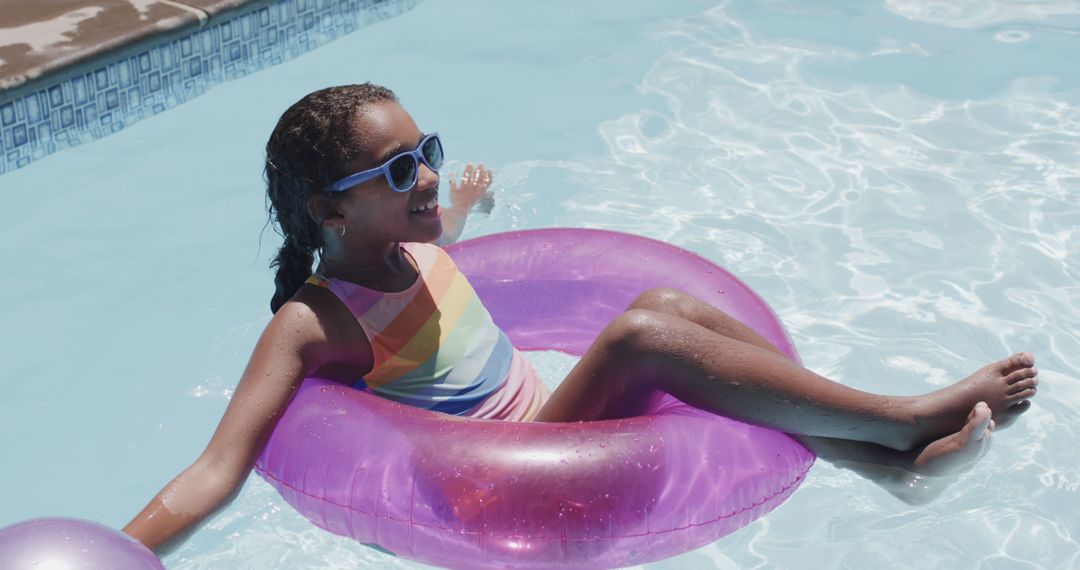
<point>304,318</point>
<point>316,323</point>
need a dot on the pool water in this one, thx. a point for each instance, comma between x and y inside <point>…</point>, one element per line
<point>900,180</point>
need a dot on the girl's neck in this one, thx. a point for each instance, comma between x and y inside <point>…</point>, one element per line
<point>383,268</point>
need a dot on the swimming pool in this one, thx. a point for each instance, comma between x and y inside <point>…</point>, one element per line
<point>900,180</point>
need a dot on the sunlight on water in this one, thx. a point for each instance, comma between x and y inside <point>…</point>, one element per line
<point>899,180</point>
<point>905,240</point>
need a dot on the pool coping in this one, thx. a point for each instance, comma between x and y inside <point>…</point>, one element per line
<point>148,56</point>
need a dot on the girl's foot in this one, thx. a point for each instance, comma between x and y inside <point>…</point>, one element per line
<point>957,451</point>
<point>1004,386</point>
<point>915,477</point>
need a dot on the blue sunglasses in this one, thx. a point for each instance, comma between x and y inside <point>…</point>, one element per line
<point>401,171</point>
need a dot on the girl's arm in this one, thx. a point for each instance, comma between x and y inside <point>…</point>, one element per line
<point>291,347</point>
<point>463,197</point>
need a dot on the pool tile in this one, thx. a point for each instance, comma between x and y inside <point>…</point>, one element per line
<point>38,38</point>
<point>112,65</point>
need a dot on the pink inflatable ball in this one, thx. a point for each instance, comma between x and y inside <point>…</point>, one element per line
<point>71,544</point>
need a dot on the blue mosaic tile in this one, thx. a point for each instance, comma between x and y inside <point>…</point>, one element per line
<point>7,115</point>
<point>106,97</point>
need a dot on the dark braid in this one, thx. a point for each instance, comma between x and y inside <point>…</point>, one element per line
<point>308,150</point>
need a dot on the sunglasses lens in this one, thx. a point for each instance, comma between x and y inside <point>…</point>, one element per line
<point>403,172</point>
<point>433,153</point>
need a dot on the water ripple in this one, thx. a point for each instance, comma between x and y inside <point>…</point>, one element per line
<point>905,239</point>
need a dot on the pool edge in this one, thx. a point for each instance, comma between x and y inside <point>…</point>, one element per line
<point>96,96</point>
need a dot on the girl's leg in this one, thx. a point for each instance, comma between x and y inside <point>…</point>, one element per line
<point>939,457</point>
<point>695,352</point>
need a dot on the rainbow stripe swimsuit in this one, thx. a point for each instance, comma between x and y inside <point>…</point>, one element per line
<point>436,347</point>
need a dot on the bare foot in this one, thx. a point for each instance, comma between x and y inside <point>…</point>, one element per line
<point>918,476</point>
<point>1004,386</point>
<point>957,451</point>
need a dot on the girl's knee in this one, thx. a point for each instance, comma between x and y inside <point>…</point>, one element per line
<point>635,330</point>
<point>669,301</point>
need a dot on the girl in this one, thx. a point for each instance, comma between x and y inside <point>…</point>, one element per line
<point>352,177</point>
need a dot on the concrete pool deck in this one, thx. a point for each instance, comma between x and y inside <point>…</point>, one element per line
<point>72,71</point>
<point>38,39</point>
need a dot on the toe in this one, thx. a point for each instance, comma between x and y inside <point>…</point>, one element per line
<point>1020,407</point>
<point>979,418</point>
<point>1021,374</point>
<point>1018,360</point>
<point>1024,393</point>
<point>1021,385</point>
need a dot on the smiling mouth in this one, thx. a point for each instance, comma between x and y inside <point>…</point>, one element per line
<point>427,206</point>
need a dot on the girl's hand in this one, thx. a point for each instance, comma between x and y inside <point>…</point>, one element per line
<point>464,196</point>
<point>472,189</point>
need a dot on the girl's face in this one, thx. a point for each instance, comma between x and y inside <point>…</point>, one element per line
<point>372,211</point>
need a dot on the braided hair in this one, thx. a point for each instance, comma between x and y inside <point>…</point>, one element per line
<point>308,150</point>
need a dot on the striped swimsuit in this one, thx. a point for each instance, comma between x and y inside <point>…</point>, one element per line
<point>436,347</point>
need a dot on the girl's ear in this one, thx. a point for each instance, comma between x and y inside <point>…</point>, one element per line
<point>323,209</point>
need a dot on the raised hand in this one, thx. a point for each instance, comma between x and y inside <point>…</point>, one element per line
<point>472,190</point>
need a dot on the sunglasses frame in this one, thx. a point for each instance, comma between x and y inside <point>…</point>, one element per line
<point>417,155</point>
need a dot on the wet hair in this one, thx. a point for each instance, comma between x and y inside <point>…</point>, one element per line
<point>311,145</point>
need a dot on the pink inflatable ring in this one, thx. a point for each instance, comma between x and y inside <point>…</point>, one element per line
<point>459,492</point>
